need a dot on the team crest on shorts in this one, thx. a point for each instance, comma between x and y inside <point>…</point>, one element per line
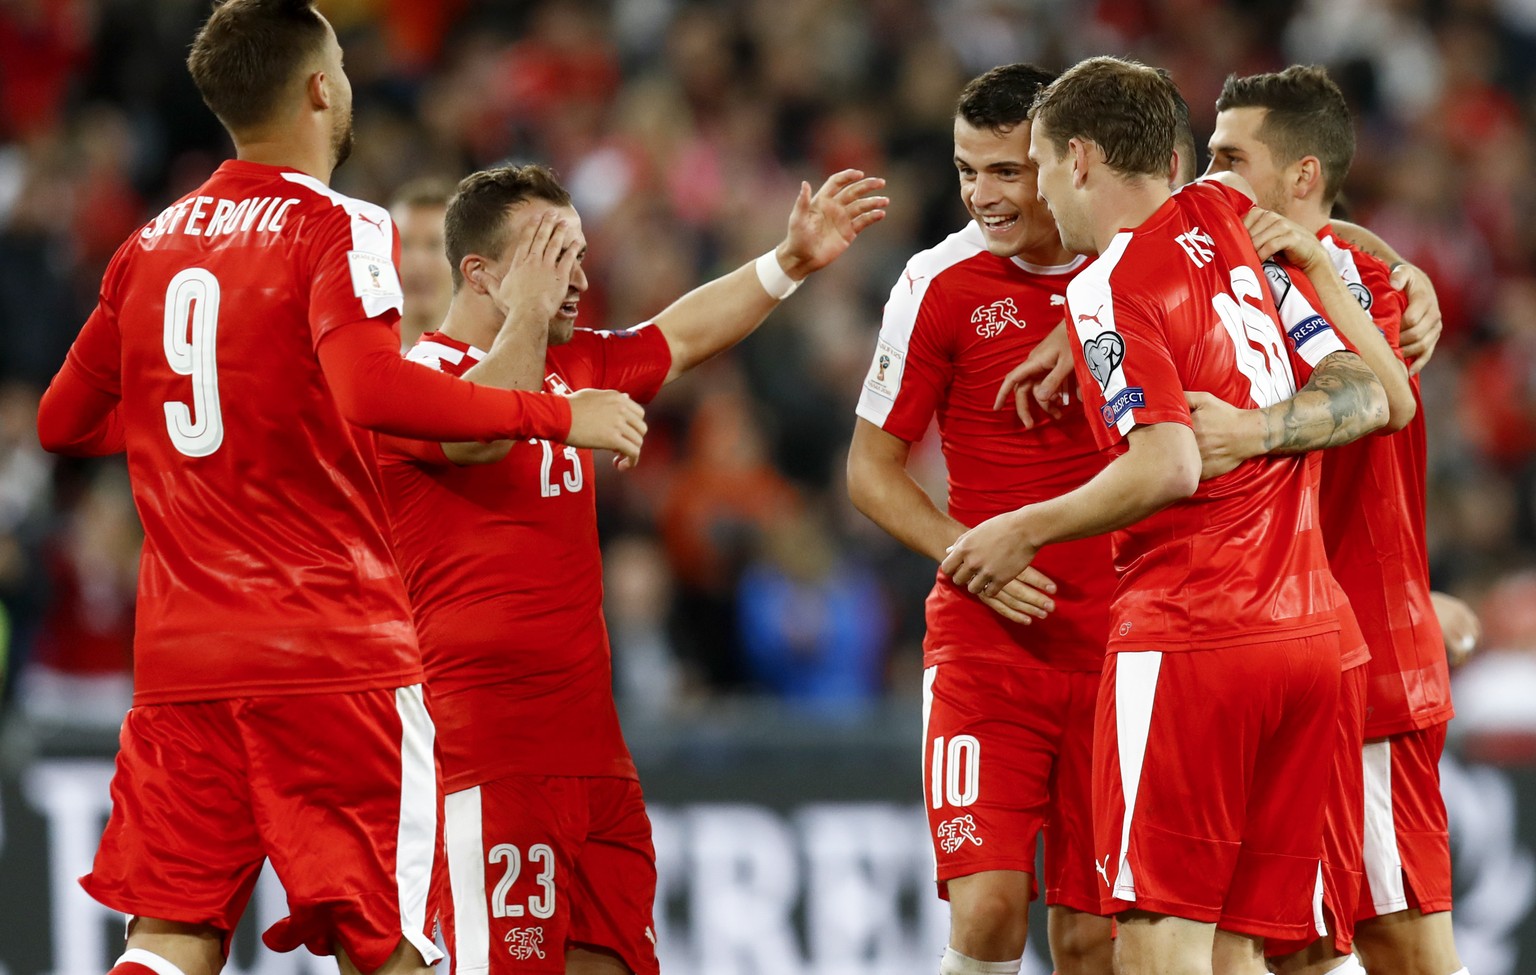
<point>953,833</point>
<point>525,943</point>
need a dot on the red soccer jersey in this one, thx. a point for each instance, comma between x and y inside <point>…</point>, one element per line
<point>1373,526</point>
<point>505,576</point>
<point>1311,341</point>
<point>1179,303</point>
<point>958,320</point>
<point>266,568</point>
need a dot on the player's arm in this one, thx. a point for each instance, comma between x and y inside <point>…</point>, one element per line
<point>713,317</point>
<point>1161,465</point>
<point>80,412</point>
<point>1458,624</point>
<point>1422,323</point>
<point>881,488</point>
<point>1275,235</point>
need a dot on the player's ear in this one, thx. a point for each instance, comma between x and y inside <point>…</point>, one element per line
<point>472,268</point>
<point>1309,175</point>
<point>317,88</point>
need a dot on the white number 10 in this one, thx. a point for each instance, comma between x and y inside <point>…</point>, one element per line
<point>191,331</point>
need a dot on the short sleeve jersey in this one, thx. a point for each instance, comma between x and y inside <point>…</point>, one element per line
<point>266,568</point>
<point>1179,304</point>
<point>1374,526</point>
<point>505,576</point>
<point>957,321</point>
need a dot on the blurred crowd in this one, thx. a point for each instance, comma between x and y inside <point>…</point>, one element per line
<point>735,563</point>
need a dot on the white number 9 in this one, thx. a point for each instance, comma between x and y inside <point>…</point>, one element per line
<point>191,332</point>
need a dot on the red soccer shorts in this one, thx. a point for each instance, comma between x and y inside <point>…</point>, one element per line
<point>1407,837</point>
<point>1343,827</point>
<point>539,864</point>
<point>340,791</point>
<point>1007,753</point>
<point>1211,768</point>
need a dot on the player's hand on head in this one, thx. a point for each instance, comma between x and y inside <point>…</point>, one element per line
<point>987,558</point>
<point>1223,432</point>
<point>604,419</point>
<point>538,276</point>
<point>1462,630</point>
<point>1273,234</point>
<point>823,224</point>
<point>1042,382</point>
<point>1422,323</point>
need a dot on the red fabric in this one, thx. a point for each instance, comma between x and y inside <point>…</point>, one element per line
<point>266,569</point>
<point>75,417</point>
<point>377,389</point>
<point>505,575</point>
<point>958,320</point>
<point>1373,509</point>
<point>1417,853</point>
<point>1343,826</point>
<point>586,858</point>
<point>203,793</point>
<point>1030,764</point>
<point>1196,839</point>
<point>1158,311</point>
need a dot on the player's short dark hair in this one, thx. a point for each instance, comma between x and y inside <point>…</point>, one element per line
<point>1130,111</point>
<point>1307,116</point>
<point>424,191</point>
<point>246,54</point>
<point>475,222</point>
<point>1000,99</point>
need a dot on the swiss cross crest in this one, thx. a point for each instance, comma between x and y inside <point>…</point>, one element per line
<point>953,833</point>
<point>525,943</point>
<point>991,319</point>
<point>555,384</point>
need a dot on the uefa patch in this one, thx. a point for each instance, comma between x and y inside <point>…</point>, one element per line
<point>1279,282</point>
<point>1308,329</point>
<point>373,276</point>
<point>1362,294</point>
<point>1128,399</point>
<point>884,377</point>
<point>1103,355</point>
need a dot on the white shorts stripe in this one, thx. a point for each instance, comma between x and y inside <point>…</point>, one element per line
<point>462,828</point>
<point>1135,689</point>
<point>930,674</point>
<point>1319,918</point>
<point>1383,860</point>
<point>416,842</point>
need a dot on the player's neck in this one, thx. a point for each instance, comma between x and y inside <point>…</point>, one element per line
<point>1053,254</point>
<point>470,323</point>
<point>1125,204</point>
<point>277,150</point>
<point>1310,215</point>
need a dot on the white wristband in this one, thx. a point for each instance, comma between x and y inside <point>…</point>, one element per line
<point>770,274</point>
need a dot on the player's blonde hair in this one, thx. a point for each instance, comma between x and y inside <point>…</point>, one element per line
<point>1130,111</point>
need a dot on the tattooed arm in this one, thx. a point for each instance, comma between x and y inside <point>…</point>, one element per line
<point>1343,401</point>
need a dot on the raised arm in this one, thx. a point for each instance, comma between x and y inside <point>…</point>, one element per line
<point>881,488</point>
<point>1422,323</point>
<point>715,316</point>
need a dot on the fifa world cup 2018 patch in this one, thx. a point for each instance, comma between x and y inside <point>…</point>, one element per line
<point>884,377</point>
<point>373,276</point>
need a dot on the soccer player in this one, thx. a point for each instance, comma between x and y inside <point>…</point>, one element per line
<point>1219,633</point>
<point>549,848</point>
<point>1009,697</point>
<point>278,709</point>
<point>1289,135</point>
<point>425,278</point>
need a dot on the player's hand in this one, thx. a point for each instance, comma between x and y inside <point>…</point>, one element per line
<point>604,419</point>
<point>821,226</point>
<point>1024,599</point>
<point>1043,380</point>
<point>1461,627</point>
<point>1422,323</point>
<point>1225,434</point>
<point>1273,234</point>
<point>538,278</point>
<point>985,559</point>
